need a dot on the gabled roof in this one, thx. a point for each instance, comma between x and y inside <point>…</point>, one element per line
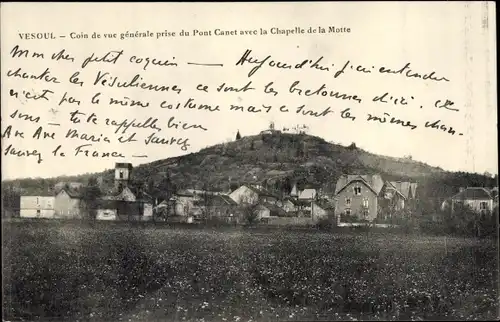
<point>72,185</point>
<point>374,182</point>
<point>119,195</point>
<point>403,187</point>
<point>72,193</point>
<point>473,193</point>
<point>73,189</point>
<point>394,185</point>
<point>307,194</point>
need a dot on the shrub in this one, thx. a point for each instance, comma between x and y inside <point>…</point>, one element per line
<point>327,223</point>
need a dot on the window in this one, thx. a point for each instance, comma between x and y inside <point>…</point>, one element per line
<point>348,201</point>
<point>365,202</point>
<point>348,211</point>
<point>121,174</point>
<point>38,213</point>
<point>483,205</point>
<point>357,191</point>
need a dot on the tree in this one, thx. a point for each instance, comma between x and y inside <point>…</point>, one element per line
<point>300,150</point>
<point>161,188</point>
<point>250,213</point>
<point>287,186</point>
<point>238,135</point>
<point>10,200</point>
<point>206,203</point>
<point>252,147</point>
<point>91,197</point>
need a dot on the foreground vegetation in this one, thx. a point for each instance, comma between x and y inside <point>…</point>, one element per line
<point>116,272</point>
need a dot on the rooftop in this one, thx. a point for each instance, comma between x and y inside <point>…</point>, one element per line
<point>374,182</point>
<point>473,193</point>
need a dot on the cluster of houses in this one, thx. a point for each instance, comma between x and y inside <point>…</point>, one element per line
<point>362,197</point>
<point>67,201</point>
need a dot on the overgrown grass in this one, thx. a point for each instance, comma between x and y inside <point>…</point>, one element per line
<point>115,272</point>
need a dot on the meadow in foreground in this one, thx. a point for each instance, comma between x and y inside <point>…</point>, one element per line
<point>112,273</point>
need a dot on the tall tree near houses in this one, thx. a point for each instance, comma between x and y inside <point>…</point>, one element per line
<point>91,196</point>
<point>238,135</point>
<point>206,202</point>
<point>166,187</point>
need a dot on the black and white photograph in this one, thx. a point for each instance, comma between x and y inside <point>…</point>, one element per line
<point>249,161</point>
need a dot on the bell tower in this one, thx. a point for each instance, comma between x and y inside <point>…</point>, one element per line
<point>123,172</point>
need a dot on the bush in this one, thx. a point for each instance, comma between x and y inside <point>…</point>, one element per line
<point>463,221</point>
<point>327,223</point>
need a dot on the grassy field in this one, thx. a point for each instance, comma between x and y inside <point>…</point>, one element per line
<point>116,273</point>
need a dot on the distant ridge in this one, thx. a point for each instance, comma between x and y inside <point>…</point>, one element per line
<point>264,159</point>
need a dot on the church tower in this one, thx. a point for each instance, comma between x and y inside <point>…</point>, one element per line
<point>123,172</point>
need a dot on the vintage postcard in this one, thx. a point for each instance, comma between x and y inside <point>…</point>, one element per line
<point>273,161</point>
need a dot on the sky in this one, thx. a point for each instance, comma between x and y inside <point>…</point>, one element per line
<point>455,40</point>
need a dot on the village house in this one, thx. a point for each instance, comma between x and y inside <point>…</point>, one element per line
<point>479,199</point>
<point>358,195</point>
<point>67,202</point>
<point>400,193</point>
<point>37,206</point>
<point>124,202</point>
<point>368,196</point>
<point>252,194</point>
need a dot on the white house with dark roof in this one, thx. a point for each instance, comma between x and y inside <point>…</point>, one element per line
<point>477,198</point>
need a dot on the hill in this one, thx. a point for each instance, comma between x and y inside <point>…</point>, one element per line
<point>273,160</point>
